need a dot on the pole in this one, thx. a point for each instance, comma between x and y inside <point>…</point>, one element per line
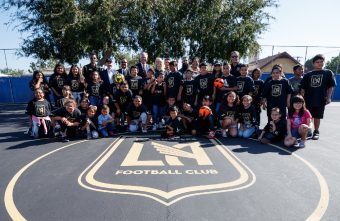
<point>306,54</point>
<point>6,61</point>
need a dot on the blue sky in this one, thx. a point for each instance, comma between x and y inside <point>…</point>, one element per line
<point>300,23</point>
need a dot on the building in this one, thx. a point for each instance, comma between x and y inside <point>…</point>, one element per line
<point>266,64</point>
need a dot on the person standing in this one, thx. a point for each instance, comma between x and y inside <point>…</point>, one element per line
<point>235,63</point>
<point>317,88</point>
<point>107,75</point>
<point>57,81</point>
<point>91,67</point>
<point>124,70</point>
<point>142,66</point>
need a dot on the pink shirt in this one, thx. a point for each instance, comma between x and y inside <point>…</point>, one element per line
<point>296,120</point>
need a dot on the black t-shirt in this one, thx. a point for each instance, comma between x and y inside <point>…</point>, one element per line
<point>43,86</point>
<point>276,92</point>
<point>205,84</point>
<point>95,89</point>
<point>58,81</point>
<point>173,81</point>
<point>39,108</point>
<point>176,124</point>
<point>135,112</point>
<point>113,88</point>
<point>235,70</point>
<point>158,96</point>
<point>228,111</point>
<point>75,84</point>
<point>123,99</point>
<point>247,116</point>
<point>281,128</point>
<point>193,114</point>
<point>72,117</point>
<point>258,86</point>
<point>88,70</point>
<point>93,122</point>
<point>245,85</point>
<point>229,82</point>
<point>135,84</point>
<point>315,84</point>
<point>189,91</point>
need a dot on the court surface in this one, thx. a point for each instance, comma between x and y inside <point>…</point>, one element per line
<point>134,177</point>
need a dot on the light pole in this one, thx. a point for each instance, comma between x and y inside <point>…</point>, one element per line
<point>337,65</point>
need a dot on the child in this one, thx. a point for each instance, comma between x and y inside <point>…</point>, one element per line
<point>68,117</point>
<point>77,83</point>
<point>275,130</point>
<point>117,79</point>
<point>298,122</point>
<point>57,81</point>
<point>228,114</point>
<point>245,84</point>
<point>122,98</point>
<point>188,89</point>
<point>257,95</point>
<point>206,122</point>
<point>136,114</point>
<point>84,105</point>
<point>174,126</point>
<point>217,71</point>
<point>317,88</point>
<point>105,122</point>
<point>205,84</point>
<point>67,94</point>
<point>89,124</point>
<point>39,110</point>
<point>229,85</point>
<point>173,80</point>
<point>135,81</point>
<point>189,117</point>
<point>95,89</point>
<point>158,92</point>
<point>39,81</point>
<point>147,84</point>
<point>247,118</point>
<point>296,79</point>
<point>277,93</point>
<point>170,102</point>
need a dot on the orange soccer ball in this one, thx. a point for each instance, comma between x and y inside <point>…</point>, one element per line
<point>218,83</point>
<point>204,111</point>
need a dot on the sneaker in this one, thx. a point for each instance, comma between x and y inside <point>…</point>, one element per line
<point>64,139</point>
<point>315,135</point>
<point>302,144</point>
<point>224,133</point>
<point>154,127</point>
<point>88,135</point>
<point>144,130</point>
<point>211,134</point>
<point>297,144</point>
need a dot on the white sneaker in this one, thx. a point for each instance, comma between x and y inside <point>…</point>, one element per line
<point>154,127</point>
<point>224,133</point>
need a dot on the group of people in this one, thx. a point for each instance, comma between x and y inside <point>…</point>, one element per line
<point>99,102</point>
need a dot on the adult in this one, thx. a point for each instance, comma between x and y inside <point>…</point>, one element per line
<point>159,66</point>
<point>142,66</point>
<point>166,66</point>
<point>185,65</point>
<point>195,66</point>
<point>124,70</point>
<point>107,74</point>
<point>235,63</point>
<point>317,88</point>
<point>91,67</point>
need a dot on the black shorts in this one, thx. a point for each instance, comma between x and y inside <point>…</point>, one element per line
<point>317,112</point>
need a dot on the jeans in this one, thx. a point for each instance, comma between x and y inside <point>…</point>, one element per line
<point>77,96</point>
<point>94,100</point>
<point>105,130</point>
<point>247,132</point>
<point>157,112</point>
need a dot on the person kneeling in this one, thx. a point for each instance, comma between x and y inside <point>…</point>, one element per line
<point>275,129</point>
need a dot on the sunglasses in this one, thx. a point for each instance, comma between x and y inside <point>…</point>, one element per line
<point>234,56</point>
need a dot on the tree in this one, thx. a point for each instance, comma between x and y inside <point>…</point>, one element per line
<point>67,30</point>
<point>309,65</point>
<point>334,64</point>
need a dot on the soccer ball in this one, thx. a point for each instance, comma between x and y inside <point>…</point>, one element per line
<point>218,83</point>
<point>204,111</point>
<point>119,78</point>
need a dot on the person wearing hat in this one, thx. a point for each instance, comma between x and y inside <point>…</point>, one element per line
<point>217,71</point>
<point>205,83</point>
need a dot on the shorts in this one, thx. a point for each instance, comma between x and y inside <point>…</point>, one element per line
<point>295,132</point>
<point>317,112</point>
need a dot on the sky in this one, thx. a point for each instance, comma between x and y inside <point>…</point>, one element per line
<point>297,23</point>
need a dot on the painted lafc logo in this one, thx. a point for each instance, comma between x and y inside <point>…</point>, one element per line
<point>316,80</point>
<point>166,173</point>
